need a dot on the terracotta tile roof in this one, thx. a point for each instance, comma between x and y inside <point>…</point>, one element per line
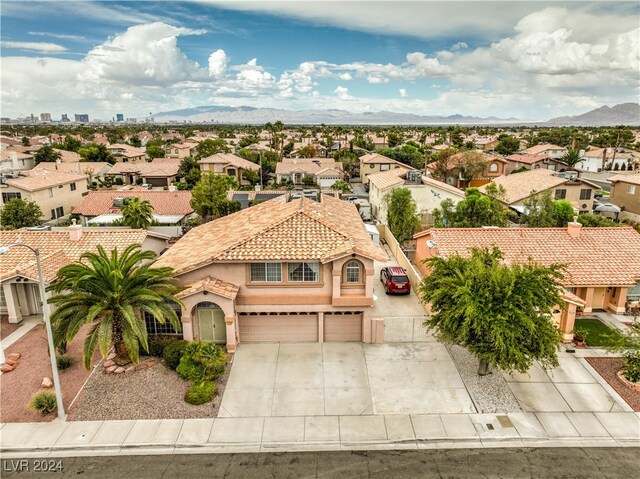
<point>633,179</point>
<point>81,167</point>
<point>162,169</point>
<point>126,150</point>
<point>57,250</point>
<point>519,186</point>
<point>183,146</point>
<point>211,285</point>
<point>427,180</point>
<point>526,158</point>
<point>387,179</point>
<point>45,178</point>
<point>164,202</point>
<point>598,256</point>
<point>330,173</point>
<point>230,159</point>
<point>68,156</point>
<point>310,166</point>
<point>376,158</point>
<point>538,149</point>
<point>6,155</point>
<point>302,229</point>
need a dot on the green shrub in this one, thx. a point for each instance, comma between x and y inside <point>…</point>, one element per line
<point>118,181</point>
<point>173,353</point>
<point>202,361</point>
<point>200,393</point>
<point>65,361</point>
<point>631,369</point>
<point>43,402</point>
<point>157,345</point>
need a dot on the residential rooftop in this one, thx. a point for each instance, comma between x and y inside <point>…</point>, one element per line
<point>164,202</point>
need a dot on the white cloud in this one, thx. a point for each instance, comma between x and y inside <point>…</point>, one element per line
<point>343,93</point>
<point>403,92</point>
<point>44,47</point>
<point>345,76</point>
<point>218,63</point>
<point>459,46</point>
<point>57,35</point>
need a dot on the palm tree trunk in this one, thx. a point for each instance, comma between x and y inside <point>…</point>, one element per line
<point>122,355</point>
<point>483,368</point>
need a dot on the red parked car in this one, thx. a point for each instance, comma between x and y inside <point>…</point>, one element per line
<point>395,280</point>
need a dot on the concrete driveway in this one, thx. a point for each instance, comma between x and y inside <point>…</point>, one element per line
<point>312,379</point>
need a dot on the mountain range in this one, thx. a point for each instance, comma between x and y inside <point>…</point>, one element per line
<point>623,114</point>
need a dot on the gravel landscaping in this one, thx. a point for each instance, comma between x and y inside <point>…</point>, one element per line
<point>491,393</point>
<point>153,393</point>
<point>608,368</point>
<point>6,328</point>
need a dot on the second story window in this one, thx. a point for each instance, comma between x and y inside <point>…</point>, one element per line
<point>352,272</point>
<point>266,272</point>
<point>50,192</point>
<point>10,196</point>
<point>304,272</point>
<point>384,167</point>
<point>493,168</point>
<point>631,189</point>
<point>561,194</point>
<point>73,186</point>
<point>585,194</point>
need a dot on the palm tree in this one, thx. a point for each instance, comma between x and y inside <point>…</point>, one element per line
<point>137,213</point>
<point>571,158</point>
<point>110,292</point>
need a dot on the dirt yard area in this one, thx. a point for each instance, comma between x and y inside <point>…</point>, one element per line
<point>6,328</point>
<point>608,368</point>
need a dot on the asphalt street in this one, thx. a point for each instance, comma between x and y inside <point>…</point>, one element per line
<point>511,463</point>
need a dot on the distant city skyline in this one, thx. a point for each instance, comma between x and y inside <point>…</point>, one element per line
<point>529,60</point>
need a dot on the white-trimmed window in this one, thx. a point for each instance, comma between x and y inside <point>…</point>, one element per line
<point>266,272</point>
<point>493,167</point>
<point>352,272</point>
<point>304,272</point>
<point>385,167</point>
<point>631,189</point>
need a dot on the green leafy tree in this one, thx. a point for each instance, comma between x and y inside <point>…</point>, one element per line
<point>342,186</point>
<point>46,154</point>
<point>402,214</point>
<point>18,213</point>
<point>441,163</point>
<point>591,220</point>
<point>507,144</point>
<point>350,162</point>
<point>96,152</point>
<point>253,177</point>
<point>308,180</point>
<point>155,151</point>
<point>571,158</point>
<point>248,140</point>
<point>308,151</point>
<point>135,141</point>
<point>210,147</point>
<point>25,141</point>
<point>110,292</point>
<point>475,211</point>
<point>189,169</point>
<point>137,213</point>
<point>501,313</point>
<point>209,196</point>
<point>71,144</point>
<point>541,211</point>
<point>407,154</point>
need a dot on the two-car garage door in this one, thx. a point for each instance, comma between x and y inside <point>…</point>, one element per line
<point>299,327</point>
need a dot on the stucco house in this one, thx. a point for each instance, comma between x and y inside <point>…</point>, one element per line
<point>603,264</point>
<point>375,163</point>
<point>13,162</point>
<point>625,193</point>
<point>55,192</point>
<point>181,150</point>
<point>154,173</point>
<point>495,166</point>
<point>324,171</point>
<point>19,296</point>
<point>528,161</point>
<point>563,186</point>
<point>547,149</point>
<point>127,153</point>
<point>228,164</point>
<point>278,271</point>
<point>427,192</point>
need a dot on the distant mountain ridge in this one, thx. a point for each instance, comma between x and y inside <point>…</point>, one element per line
<point>622,114</point>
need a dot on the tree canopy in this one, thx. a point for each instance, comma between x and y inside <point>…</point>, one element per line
<point>210,147</point>
<point>501,313</point>
<point>137,213</point>
<point>475,211</point>
<point>402,215</point>
<point>507,144</point>
<point>96,152</point>
<point>17,213</point>
<point>541,211</point>
<point>209,196</point>
<point>46,154</point>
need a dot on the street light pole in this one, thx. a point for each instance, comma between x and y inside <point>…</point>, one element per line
<point>47,322</point>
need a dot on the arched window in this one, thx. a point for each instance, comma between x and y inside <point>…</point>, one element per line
<point>493,167</point>
<point>353,272</point>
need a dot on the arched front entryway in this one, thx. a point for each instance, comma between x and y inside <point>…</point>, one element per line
<point>210,323</point>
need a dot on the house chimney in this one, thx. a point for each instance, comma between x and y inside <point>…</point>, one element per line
<point>573,228</point>
<point>75,231</point>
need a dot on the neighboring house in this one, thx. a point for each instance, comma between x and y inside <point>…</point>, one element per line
<point>625,193</point>
<point>563,186</point>
<point>19,296</point>
<point>93,169</point>
<point>13,162</point>
<point>602,264</point>
<point>598,159</point>
<point>427,192</point>
<point>376,163</point>
<point>181,150</point>
<point>127,153</point>
<point>532,162</point>
<point>228,164</point>
<point>277,272</point>
<point>547,149</point>
<point>68,156</point>
<point>55,192</point>
<point>324,171</point>
<point>496,166</point>
<point>152,173</point>
<point>103,207</point>
<point>251,198</point>
<point>485,144</point>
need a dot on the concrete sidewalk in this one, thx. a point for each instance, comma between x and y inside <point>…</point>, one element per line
<point>320,433</point>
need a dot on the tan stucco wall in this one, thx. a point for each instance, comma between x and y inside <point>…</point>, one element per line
<point>367,169</point>
<point>573,196</point>
<point>61,197</point>
<point>620,197</point>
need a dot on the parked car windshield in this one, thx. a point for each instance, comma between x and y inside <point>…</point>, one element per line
<point>399,279</point>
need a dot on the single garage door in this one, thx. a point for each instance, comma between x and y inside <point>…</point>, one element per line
<point>278,328</point>
<point>343,327</point>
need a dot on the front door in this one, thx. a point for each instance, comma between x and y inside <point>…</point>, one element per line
<point>598,298</point>
<point>211,325</point>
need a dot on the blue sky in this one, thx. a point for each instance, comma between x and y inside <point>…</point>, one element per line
<point>531,60</point>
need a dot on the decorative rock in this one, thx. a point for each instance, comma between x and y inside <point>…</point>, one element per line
<point>130,369</point>
<point>14,356</point>
<point>119,370</point>
<point>142,366</point>
<point>111,356</point>
<point>111,369</point>
<point>108,363</point>
<point>11,362</point>
<point>6,368</point>
<point>47,383</point>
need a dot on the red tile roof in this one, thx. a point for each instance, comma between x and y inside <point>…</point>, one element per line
<point>164,202</point>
